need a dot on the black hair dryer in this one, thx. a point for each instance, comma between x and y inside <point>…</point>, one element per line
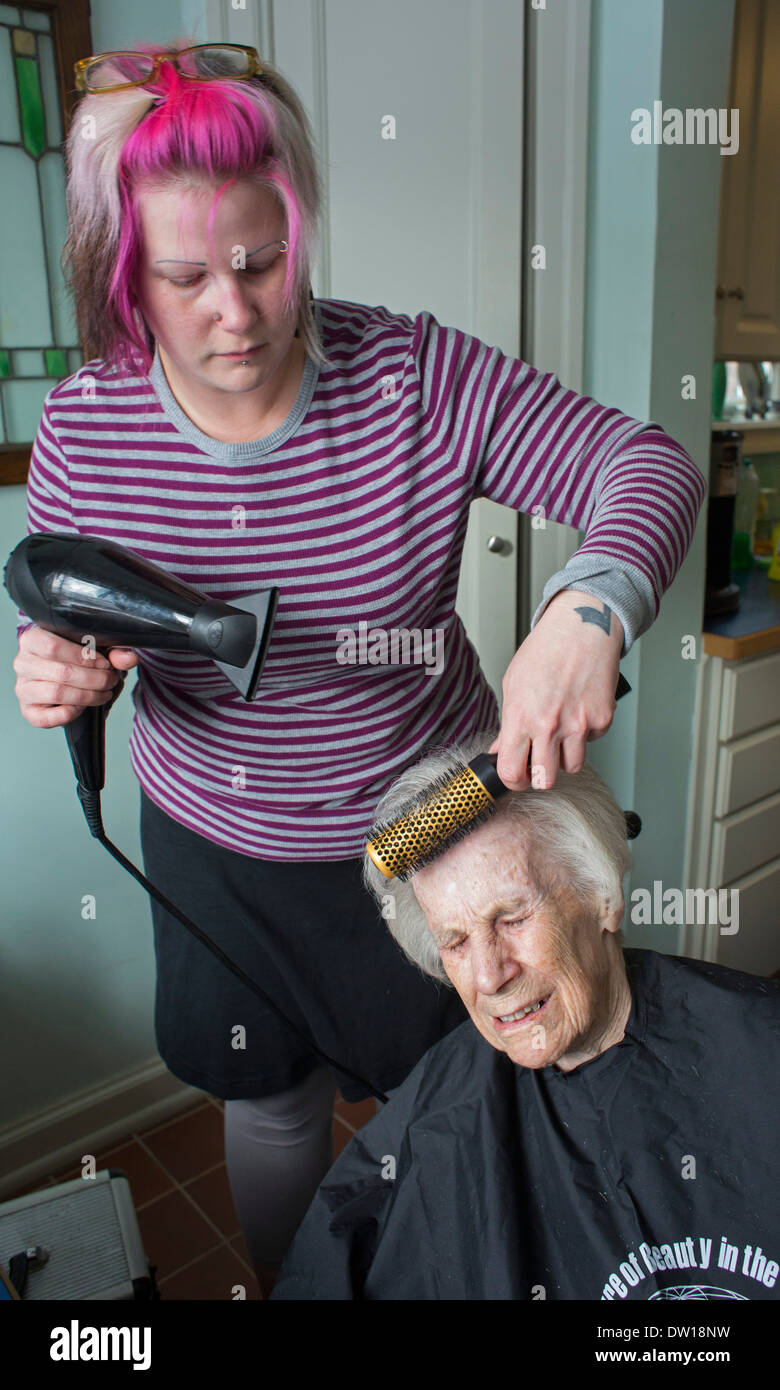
<point>79,586</point>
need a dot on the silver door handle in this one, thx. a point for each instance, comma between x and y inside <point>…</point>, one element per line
<point>499,546</point>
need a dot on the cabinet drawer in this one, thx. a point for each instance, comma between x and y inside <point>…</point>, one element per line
<point>751,696</point>
<point>755,947</point>
<point>745,840</point>
<point>748,770</point>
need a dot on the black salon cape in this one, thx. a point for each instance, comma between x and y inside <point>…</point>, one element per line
<point>649,1172</point>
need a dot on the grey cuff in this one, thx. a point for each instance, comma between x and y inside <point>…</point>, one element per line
<point>626,590</point>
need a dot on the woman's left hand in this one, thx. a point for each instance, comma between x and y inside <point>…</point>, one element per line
<point>559,691</point>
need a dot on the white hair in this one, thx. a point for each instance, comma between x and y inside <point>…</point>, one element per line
<point>572,833</point>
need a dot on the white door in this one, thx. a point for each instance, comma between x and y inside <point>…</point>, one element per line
<point>429,219</point>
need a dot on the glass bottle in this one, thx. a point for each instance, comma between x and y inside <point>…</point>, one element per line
<point>745,509</point>
<point>762,531</point>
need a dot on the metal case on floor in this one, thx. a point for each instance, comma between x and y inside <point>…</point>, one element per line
<point>90,1231</point>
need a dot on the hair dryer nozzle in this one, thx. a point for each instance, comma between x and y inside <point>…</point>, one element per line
<point>263,606</point>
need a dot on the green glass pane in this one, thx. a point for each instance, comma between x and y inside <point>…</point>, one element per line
<point>56,362</point>
<point>5,363</point>
<point>33,126</point>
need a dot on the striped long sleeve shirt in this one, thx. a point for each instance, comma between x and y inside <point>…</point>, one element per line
<point>356,507</point>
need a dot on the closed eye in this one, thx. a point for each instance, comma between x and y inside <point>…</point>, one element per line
<point>193,280</point>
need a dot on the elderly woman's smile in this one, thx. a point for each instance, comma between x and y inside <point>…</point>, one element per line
<point>536,962</point>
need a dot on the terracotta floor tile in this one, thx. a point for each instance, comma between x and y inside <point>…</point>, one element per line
<point>173,1233</point>
<point>147,1179</point>
<point>358,1113</point>
<point>190,1144</point>
<point>212,1194</point>
<point>341,1136</point>
<point>238,1243</point>
<point>212,1277</point>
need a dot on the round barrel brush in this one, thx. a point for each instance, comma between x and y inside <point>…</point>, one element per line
<point>453,806</point>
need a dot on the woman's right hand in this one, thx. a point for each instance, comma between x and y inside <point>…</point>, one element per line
<point>57,679</point>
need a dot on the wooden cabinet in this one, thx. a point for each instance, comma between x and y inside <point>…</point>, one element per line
<point>734,829</point>
<point>747,325</point>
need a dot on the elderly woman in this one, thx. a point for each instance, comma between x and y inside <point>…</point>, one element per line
<point>604,1127</point>
<point>240,433</point>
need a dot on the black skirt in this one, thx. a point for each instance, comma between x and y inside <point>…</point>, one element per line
<point>313,938</point>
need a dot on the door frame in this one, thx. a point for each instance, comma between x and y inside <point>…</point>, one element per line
<point>557,85</point>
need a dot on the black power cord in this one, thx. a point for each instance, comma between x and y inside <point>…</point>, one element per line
<point>90,801</point>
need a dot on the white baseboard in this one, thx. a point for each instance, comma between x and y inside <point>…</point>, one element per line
<point>89,1122</point>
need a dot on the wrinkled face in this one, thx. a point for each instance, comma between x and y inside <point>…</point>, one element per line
<point>183,281</point>
<point>540,971</point>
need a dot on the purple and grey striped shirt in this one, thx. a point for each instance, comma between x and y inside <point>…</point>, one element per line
<point>356,507</point>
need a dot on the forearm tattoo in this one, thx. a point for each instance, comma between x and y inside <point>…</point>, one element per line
<point>592,615</point>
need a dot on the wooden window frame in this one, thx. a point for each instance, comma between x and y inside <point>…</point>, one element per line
<point>72,39</point>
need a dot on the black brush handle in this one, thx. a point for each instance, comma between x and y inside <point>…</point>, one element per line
<point>484,766</point>
<point>623,687</point>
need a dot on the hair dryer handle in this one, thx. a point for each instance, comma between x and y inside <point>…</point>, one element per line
<point>87,747</point>
<point>87,741</point>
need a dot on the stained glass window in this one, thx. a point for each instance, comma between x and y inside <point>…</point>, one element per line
<point>38,336</point>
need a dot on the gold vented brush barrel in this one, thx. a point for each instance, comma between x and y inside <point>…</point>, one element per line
<point>448,811</point>
<point>453,807</point>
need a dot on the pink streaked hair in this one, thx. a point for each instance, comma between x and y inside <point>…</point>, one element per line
<point>182,133</point>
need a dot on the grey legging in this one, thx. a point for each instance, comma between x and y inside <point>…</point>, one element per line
<point>278,1149</point>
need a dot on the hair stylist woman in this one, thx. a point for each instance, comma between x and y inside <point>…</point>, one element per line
<point>240,437</point>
